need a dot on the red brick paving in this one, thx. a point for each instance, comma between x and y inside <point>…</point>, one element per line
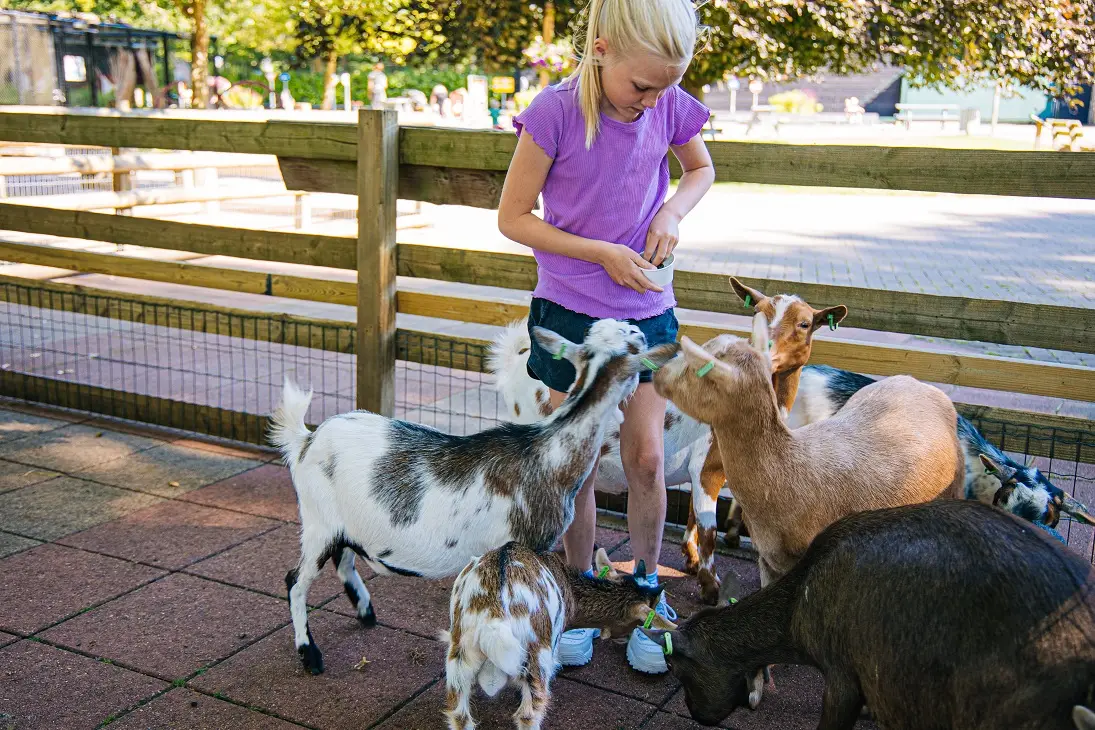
<point>182,709</point>
<point>212,614</point>
<point>43,585</point>
<point>171,534</point>
<point>172,627</point>
<point>44,688</point>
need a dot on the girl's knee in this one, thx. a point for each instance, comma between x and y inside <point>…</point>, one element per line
<point>644,463</point>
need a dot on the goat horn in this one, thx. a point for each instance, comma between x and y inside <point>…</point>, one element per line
<point>1078,510</point>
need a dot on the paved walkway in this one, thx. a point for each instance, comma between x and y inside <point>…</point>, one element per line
<point>141,586</point>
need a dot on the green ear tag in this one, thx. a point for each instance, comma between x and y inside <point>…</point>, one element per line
<point>832,322</point>
<point>562,351</point>
<point>748,301</point>
<point>770,343</point>
<point>604,571</point>
<point>649,620</point>
<point>668,648</point>
<point>733,601</point>
<point>648,364</point>
<point>705,369</point>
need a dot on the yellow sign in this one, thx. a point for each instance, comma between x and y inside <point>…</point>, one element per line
<point>502,85</point>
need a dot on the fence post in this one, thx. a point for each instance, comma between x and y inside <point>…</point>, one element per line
<point>377,177</point>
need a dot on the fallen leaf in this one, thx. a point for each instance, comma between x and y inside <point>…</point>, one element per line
<point>172,484</point>
<point>361,664</point>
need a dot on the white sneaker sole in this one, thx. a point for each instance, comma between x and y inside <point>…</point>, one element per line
<point>645,661</point>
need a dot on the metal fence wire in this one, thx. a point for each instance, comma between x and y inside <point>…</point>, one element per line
<point>218,371</point>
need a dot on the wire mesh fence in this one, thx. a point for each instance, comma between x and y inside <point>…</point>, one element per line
<point>219,371</point>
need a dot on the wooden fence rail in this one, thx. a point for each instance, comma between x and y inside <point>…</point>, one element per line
<point>378,162</point>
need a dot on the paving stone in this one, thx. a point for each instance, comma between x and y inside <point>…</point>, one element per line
<point>266,491</point>
<point>666,721</point>
<point>59,507</point>
<point>6,638</point>
<point>269,674</point>
<point>413,604</point>
<point>227,448</point>
<point>573,705</point>
<point>41,586</point>
<point>16,425</point>
<point>11,544</point>
<point>184,709</point>
<point>609,670</point>
<point>45,688</point>
<point>15,476</point>
<point>260,564</point>
<point>171,534</point>
<point>74,447</point>
<point>168,470</point>
<point>172,627</point>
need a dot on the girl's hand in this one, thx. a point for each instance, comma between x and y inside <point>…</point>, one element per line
<point>662,237</point>
<point>625,267</point>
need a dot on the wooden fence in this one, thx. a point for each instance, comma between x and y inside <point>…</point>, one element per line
<point>380,162</point>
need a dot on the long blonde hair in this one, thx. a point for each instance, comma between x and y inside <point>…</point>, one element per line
<point>665,28</point>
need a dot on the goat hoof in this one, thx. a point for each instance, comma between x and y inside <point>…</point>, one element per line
<point>368,619</point>
<point>731,541</point>
<point>691,567</point>
<point>312,658</point>
<point>709,594</point>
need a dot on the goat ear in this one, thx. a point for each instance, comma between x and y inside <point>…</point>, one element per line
<point>821,316</point>
<point>601,561</point>
<point>556,345</point>
<point>759,338</point>
<point>731,590</point>
<point>1002,472</point>
<point>703,362</point>
<point>660,354</point>
<point>658,637</point>
<point>743,291</point>
<point>1080,513</point>
<point>1083,718</point>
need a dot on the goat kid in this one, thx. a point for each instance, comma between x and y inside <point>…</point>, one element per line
<point>894,443</point>
<point>992,476</point>
<point>413,501</point>
<point>948,614</point>
<point>507,612</point>
<point>689,456</point>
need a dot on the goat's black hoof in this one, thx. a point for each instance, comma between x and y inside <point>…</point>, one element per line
<point>731,541</point>
<point>312,658</point>
<point>368,619</point>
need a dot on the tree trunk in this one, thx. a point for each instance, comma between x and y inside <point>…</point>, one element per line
<point>330,80</point>
<point>199,46</point>
<point>548,35</point>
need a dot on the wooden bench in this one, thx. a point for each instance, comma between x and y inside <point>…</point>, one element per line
<point>711,129</point>
<point>1069,128</point>
<point>942,113</point>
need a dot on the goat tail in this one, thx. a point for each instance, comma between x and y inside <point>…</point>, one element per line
<point>287,429</point>
<point>502,649</point>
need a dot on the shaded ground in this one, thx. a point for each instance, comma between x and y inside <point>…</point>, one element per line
<point>141,585</point>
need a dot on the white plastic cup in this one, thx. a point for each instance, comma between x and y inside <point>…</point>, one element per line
<point>663,276</point>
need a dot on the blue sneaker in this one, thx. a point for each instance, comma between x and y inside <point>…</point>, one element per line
<point>643,654</point>
<point>576,647</point>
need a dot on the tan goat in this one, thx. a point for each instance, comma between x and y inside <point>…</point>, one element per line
<point>507,612</point>
<point>895,443</point>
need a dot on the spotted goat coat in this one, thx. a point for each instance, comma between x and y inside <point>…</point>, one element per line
<point>507,612</point>
<point>412,501</point>
<point>689,458</point>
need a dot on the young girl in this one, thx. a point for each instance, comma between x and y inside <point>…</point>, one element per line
<point>595,147</point>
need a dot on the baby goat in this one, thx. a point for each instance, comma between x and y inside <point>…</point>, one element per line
<point>413,501</point>
<point>948,614</point>
<point>894,443</point>
<point>992,476</point>
<point>507,612</point>
<point>689,456</point>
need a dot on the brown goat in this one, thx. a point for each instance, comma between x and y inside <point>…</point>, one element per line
<point>895,443</point>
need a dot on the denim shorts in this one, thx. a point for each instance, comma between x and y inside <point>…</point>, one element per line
<point>559,374</point>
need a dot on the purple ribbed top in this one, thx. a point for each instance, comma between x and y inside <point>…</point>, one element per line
<point>610,192</point>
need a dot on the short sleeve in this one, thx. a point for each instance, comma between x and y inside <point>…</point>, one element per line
<point>689,116</point>
<point>543,119</point>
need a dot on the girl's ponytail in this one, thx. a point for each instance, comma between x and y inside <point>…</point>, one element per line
<point>589,73</point>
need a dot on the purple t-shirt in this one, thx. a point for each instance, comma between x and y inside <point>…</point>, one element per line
<point>610,192</point>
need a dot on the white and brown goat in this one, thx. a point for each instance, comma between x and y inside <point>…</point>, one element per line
<point>689,456</point>
<point>509,608</point>
<point>894,443</point>
<point>414,501</point>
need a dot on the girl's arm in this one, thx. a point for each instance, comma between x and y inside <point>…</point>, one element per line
<point>699,173</point>
<point>525,179</point>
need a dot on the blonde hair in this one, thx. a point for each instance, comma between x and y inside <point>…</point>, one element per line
<point>665,28</point>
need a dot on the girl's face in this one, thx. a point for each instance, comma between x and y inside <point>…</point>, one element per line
<point>634,83</point>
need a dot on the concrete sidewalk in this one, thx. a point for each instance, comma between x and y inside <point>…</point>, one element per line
<point>141,586</point>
